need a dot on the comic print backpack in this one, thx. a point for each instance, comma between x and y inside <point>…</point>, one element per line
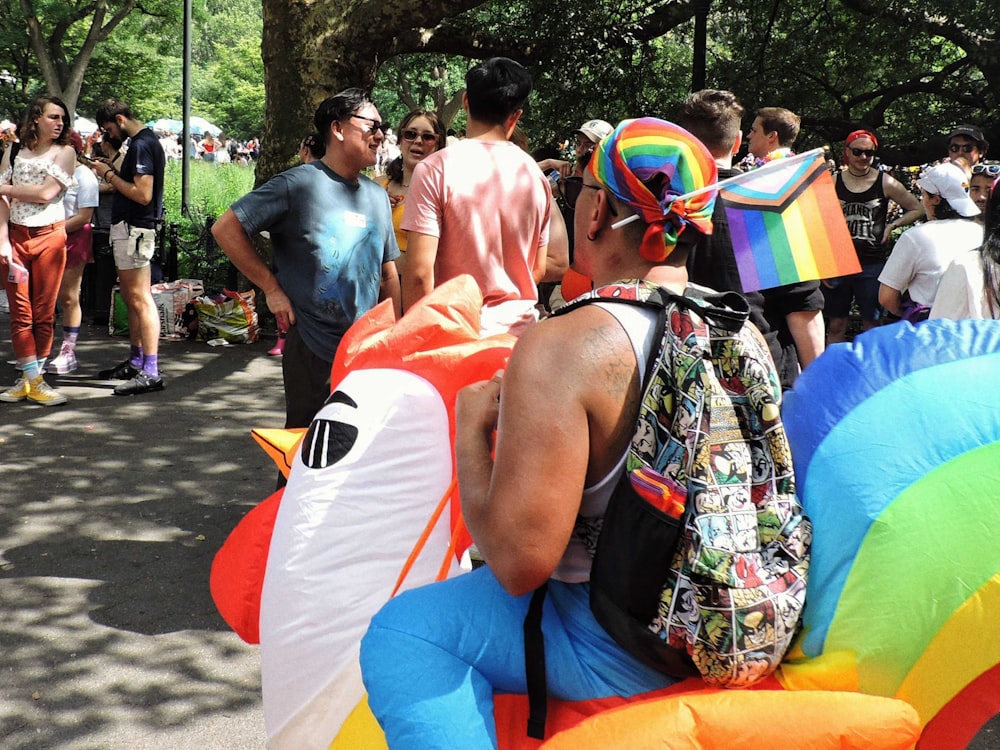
<point>700,563</point>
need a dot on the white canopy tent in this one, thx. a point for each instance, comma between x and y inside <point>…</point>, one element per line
<point>83,126</point>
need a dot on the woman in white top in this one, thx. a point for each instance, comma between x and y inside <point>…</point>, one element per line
<point>923,252</point>
<point>80,202</point>
<point>970,287</point>
<point>33,244</point>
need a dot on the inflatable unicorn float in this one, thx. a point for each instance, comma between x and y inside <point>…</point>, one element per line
<point>896,443</point>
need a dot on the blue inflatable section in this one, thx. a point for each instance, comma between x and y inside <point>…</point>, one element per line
<point>869,419</point>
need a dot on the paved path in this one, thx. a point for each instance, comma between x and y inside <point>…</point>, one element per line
<point>111,510</point>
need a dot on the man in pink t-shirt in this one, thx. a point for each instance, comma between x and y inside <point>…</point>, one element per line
<point>481,206</point>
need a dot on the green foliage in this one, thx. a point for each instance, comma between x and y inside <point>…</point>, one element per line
<point>212,189</point>
<point>141,62</point>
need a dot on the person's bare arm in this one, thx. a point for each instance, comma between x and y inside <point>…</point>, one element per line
<point>80,219</point>
<point>139,191</point>
<point>235,243</point>
<point>891,299</point>
<point>418,280</point>
<point>389,287</point>
<point>906,200</point>
<point>564,168</point>
<point>557,252</point>
<point>554,434</point>
<point>808,333</point>
<point>5,248</point>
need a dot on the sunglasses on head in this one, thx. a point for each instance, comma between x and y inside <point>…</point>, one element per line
<point>376,124</point>
<point>989,169</point>
<point>965,147</point>
<point>412,135</point>
<point>863,152</point>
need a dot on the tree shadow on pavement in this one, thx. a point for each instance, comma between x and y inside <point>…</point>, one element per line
<point>111,511</point>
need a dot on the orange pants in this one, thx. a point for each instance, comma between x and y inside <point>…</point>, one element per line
<point>42,250</point>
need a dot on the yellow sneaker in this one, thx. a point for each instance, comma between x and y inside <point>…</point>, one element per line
<point>17,392</point>
<point>42,393</point>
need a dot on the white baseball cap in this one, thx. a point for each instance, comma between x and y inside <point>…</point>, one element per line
<point>596,130</point>
<point>950,182</point>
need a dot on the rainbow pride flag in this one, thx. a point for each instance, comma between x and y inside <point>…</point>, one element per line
<point>786,223</point>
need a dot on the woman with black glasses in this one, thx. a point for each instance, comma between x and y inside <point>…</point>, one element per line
<point>421,133</point>
<point>865,192</point>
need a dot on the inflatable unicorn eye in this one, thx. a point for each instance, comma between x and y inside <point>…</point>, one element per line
<point>329,440</point>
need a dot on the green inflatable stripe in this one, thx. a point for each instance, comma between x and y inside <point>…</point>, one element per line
<point>931,549</point>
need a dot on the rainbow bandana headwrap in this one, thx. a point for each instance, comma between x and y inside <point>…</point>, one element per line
<point>633,155</point>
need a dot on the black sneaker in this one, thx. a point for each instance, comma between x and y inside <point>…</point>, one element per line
<point>121,371</point>
<point>140,383</point>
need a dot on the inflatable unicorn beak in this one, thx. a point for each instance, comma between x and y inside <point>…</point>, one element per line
<point>280,445</point>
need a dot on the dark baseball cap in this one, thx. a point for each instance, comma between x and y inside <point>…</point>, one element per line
<point>971,132</point>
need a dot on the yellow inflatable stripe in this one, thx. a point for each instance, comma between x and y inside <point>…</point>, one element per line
<point>961,651</point>
<point>837,670</point>
<point>360,731</point>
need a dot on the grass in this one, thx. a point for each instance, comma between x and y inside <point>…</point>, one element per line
<point>212,189</point>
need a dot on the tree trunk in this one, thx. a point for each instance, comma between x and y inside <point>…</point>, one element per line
<point>314,48</point>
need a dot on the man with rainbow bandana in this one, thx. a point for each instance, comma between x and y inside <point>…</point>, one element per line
<point>433,657</point>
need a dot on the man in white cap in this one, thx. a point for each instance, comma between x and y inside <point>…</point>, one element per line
<point>909,281</point>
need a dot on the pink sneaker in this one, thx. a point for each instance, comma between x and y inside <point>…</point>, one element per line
<point>278,348</point>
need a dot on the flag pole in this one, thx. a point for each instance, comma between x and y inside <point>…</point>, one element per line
<point>732,181</point>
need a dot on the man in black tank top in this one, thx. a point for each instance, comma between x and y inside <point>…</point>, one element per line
<point>864,192</point>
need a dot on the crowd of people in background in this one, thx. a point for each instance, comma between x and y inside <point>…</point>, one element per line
<point>885,207</point>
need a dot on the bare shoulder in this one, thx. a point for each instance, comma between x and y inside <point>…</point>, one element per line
<point>586,351</point>
<point>895,189</point>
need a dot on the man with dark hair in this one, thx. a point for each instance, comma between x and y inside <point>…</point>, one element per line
<point>333,246</point>
<point>136,209</point>
<point>794,311</point>
<point>966,144</point>
<point>713,117</point>
<point>481,206</point>
<point>772,133</point>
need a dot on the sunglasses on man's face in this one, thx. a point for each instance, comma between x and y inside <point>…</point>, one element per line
<point>967,148</point>
<point>988,169</point>
<point>376,124</point>
<point>870,153</point>
<point>425,138</point>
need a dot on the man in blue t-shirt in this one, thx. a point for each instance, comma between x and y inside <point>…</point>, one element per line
<point>332,242</point>
<point>136,208</point>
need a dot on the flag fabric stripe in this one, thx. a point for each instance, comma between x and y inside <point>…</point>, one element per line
<point>776,233</point>
<point>787,226</point>
<point>797,226</point>
<point>752,275</point>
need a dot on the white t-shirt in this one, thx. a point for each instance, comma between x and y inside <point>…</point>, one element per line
<point>923,253</point>
<point>84,194</point>
<point>962,291</point>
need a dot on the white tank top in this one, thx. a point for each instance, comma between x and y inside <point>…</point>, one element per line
<point>639,324</point>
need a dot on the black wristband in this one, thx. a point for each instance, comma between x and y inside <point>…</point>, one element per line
<point>110,171</point>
